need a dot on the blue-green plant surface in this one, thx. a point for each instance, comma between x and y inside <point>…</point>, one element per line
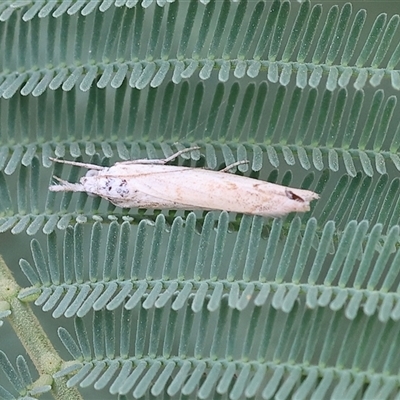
<point>98,301</point>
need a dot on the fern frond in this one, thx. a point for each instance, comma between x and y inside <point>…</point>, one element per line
<point>105,281</point>
<point>21,380</point>
<point>358,199</point>
<point>206,304</point>
<point>318,43</point>
<point>317,129</point>
<point>257,363</point>
<point>4,311</point>
<point>32,212</point>
<point>365,146</point>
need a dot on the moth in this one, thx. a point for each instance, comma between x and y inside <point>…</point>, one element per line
<point>155,185</point>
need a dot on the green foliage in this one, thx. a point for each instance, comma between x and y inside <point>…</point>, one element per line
<point>201,304</point>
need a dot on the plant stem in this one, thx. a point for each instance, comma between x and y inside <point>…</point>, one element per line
<point>32,336</point>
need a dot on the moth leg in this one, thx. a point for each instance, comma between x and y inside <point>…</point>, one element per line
<point>161,160</point>
<point>235,164</point>
<point>78,164</point>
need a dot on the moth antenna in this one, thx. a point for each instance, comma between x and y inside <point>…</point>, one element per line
<point>78,164</point>
<point>235,164</point>
<point>180,152</point>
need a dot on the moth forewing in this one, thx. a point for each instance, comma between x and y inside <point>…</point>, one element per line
<point>157,186</point>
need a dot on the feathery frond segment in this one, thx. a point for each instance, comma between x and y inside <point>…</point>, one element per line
<point>4,311</point>
<point>182,304</point>
<point>283,41</point>
<point>303,127</point>
<point>311,127</point>
<point>21,380</point>
<point>115,274</point>
<point>256,363</point>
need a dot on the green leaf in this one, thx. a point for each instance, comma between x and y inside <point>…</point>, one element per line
<point>201,304</point>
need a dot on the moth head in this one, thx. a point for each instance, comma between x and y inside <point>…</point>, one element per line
<point>92,172</point>
<point>90,184</point>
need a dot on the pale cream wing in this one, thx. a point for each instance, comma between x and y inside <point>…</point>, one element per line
<point>163,186</point>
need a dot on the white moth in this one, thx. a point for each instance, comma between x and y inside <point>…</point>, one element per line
<point>152,184</point>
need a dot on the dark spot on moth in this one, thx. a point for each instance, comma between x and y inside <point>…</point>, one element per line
<point>122,192</point>
<point>294,196</point>
<point>108,185</point>
<point>122,189</point>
